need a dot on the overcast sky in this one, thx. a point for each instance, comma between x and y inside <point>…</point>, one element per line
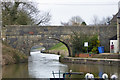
<point>63,10</point>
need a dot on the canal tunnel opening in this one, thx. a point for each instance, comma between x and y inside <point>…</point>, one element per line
<point>37,48</point>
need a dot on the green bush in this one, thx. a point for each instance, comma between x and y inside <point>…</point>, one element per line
<point>77,42</point>
<point>94,44</point>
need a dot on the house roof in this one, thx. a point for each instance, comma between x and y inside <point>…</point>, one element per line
<point>114,20</point>
<point>118,15</point>
<point>113,38</point>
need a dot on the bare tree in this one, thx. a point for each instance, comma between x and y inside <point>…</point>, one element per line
<point>105,20</point>
<point>43,19</point>
<point>22,13</point>
<point>74,21</point>
<point>65,23</point>
<point>95,20</point>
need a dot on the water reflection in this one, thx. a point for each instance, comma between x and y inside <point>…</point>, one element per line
<point>41,66</point>
<point>97,70</point>
<point>15,71</point>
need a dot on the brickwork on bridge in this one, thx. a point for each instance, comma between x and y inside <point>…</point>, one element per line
<point>24,37</point>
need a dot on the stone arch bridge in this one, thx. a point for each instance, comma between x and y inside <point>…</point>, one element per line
<point>24,37</point>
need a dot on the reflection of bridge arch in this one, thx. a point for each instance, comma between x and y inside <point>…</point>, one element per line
<point>69,51</point>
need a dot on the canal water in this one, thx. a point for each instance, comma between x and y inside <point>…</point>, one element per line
<point>41,66</point>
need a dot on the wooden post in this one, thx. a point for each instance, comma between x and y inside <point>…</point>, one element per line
<point>118,35</point>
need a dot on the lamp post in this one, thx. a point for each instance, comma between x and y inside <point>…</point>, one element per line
<point>118,31</point>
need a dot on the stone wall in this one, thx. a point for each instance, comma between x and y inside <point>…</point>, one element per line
<point>24,37</point>
<point>92,61</point>
<point>105,33</point>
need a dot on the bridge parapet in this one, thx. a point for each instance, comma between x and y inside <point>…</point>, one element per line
<point>24,37</point>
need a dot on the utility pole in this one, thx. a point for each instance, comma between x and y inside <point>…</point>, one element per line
<point>118,27</point>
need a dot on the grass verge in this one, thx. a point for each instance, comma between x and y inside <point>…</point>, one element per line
<point>11,55</point>
<point>59,48</point>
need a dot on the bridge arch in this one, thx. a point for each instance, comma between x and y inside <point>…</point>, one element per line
<point>67,45</point>
<point>23,37</point>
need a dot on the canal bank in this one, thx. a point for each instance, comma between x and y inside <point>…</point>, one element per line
<point>12,56</point>
<point>41,65</point>
<point>90,61</point>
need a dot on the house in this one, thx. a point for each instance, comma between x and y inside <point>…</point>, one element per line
<point>114,20</point>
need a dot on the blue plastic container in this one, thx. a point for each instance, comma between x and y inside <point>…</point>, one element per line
<point>101,49</point>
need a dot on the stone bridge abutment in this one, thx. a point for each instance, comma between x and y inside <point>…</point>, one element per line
<point>24,37</point>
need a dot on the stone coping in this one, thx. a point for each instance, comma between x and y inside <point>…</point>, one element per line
<point>95,59</point>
